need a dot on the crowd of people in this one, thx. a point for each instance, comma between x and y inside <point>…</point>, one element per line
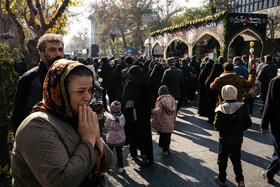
<point>57,133</point>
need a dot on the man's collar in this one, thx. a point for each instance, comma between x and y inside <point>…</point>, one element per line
<point>227,73</point>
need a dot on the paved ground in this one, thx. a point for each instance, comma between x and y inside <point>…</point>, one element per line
<point>193,158</point>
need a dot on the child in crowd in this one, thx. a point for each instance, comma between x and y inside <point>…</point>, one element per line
<point>115,136</point>
<point>164,116</point>
<point>231,120</point>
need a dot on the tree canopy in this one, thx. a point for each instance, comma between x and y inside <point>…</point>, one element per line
<point>131,21</point>
<point>35,18</point>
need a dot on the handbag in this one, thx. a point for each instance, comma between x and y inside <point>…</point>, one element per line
<point>130,112</point>
<point>193,75</point>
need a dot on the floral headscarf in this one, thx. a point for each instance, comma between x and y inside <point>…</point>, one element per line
<point>56,101</point>
<point>55,95</point>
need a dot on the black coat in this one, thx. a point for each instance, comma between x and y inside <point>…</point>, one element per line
<point>155,79</point>
<point>106,72</point>
<point>232,126</point>
<point>202,105</point>
<point>268,72</point>
<point>189,82</point>
<point>117,86</point>
<point>139,131</point>
<point>212,96</point>
<point>29,92</point>
<point>271,110</point>
<point>173,78</point>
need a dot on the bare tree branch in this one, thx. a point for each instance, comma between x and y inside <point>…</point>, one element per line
<point>19,28</point>
<point>42,20</point>
<point>33,13</point>
<point>58,14</point>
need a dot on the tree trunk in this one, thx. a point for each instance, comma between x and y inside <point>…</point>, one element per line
<point>4,151</point>
<point>29,51</point>
<point>139,33</point>
<point>33,57</point>
<point>124,40</point>
<point>111,46</point>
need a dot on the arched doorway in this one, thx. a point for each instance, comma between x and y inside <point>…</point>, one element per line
<point>157,50</point>
<point>207,45</point>
<point>177,48</point>
<point>240,44</point>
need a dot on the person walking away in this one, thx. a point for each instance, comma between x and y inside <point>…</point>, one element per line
<point>211,96</point>
<point>117,86</point>
<point>202,89</point>
<point>137,112</point>
<point>268,72</point>
<point>231,78</point>
<point>116,136</point>
<point>173,78</point>
<point>240,69</point>
<point>270,117</point>
<point>105,72</point>
<point>30,85</point>
<point>164,116</point>
<point>155,81</point>
<point>128,63</point>
<point>190,77</point>
<point>261,64</point>
<point>231,120</point>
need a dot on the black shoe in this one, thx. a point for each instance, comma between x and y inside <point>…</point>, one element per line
<point>269,180</point>
<point>132,156</point>
<point>218,180</point>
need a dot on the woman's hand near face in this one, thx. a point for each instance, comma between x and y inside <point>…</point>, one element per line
<point>88,128</point>
<point>99,144</point>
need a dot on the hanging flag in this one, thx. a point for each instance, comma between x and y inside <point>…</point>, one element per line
<point>251,63</point>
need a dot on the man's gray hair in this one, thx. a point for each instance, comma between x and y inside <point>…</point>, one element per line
<point>50,37</point>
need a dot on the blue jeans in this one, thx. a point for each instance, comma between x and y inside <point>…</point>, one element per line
<point>232,151</point>
<point>274,166</point>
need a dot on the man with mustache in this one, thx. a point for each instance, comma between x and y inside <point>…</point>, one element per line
<point>30,85</point>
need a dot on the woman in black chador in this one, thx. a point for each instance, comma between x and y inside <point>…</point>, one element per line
<point>155,81</point>
<point>202,105</point>
<point>117,86</point>
<point>137,110</point>
<point>212,96</point>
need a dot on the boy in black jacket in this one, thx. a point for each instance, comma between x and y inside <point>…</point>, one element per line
<point>231,120</point>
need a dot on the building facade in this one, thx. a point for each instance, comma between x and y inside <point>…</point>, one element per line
<point>247,6</point>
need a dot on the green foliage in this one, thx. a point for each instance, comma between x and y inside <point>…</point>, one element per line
<point>118,46</point>
<point>220,5</point>
<point>191,14</point>
<point>223,51</point>
<point>5,171</point>
<point>10,78</point>
<point>11,140</point>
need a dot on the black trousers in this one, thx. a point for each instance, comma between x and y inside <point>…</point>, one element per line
<point>250,104</point>
<point>232,151</point>
<point>274,166</point>
<point>119,155</point>
<point>164,141</point>
<point>104,101</point>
